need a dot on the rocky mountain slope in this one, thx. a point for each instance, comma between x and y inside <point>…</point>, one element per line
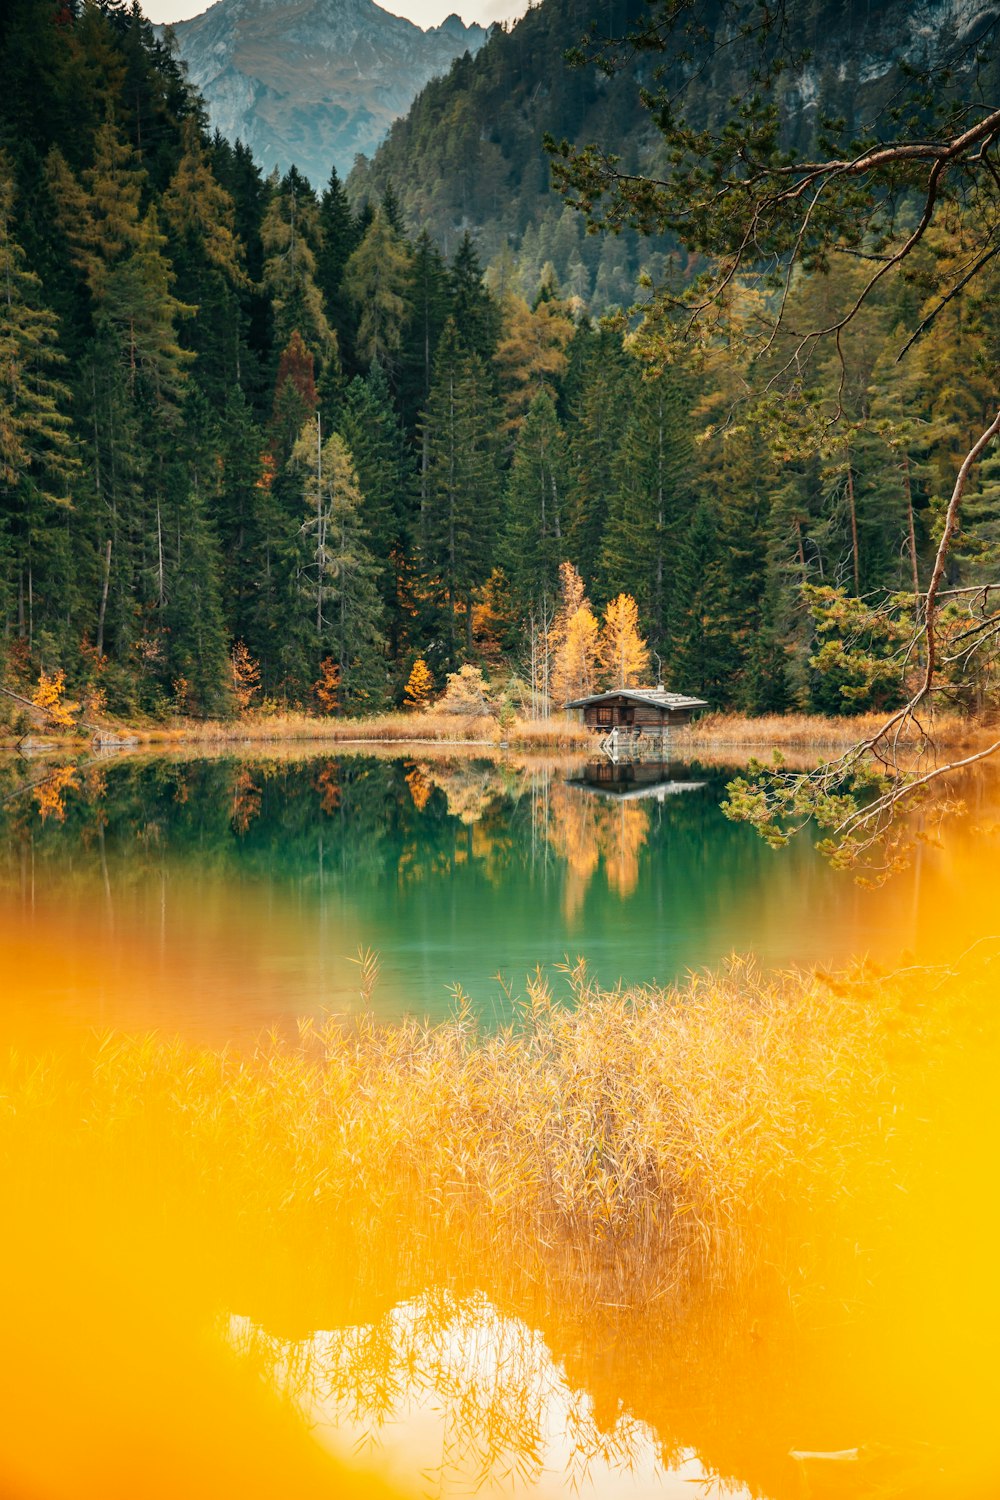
<point>313,82</point>
<point>468,154</point>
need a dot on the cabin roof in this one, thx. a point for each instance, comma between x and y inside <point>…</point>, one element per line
<point>656,697</point>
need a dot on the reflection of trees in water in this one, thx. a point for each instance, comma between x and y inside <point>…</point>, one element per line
<point>504,1407</point>
<point>50,794</point>
<point>421,817</point>
<point>583,830</point>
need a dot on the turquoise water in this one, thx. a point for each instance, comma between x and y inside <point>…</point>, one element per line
<point>219,895</point>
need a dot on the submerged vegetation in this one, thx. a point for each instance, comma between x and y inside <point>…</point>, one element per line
<point>793,1159</point>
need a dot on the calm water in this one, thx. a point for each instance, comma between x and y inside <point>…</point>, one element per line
<point>219,895</point>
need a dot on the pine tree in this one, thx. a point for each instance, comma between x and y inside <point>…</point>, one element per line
<point>377,281</point>
<point>35,444</point>
<point>531,356</point>
<point>339,241</point>
<point>37,461</point>
<point>338,612</point>
<point>209,260</point>
<point>703,657</point>
<point>295,398</point>
<point>428,296</point>
<point>534,542</point>
<point>369,427</point>
<point>600,387</point>
<point>419,685</point>
<point>651,501</point>
<point>460,519</point>
<point>576,660</point>
<point>476,315</point>
<point>291,238</point>
<point>138,305</point>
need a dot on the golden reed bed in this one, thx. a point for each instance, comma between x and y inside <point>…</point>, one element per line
<point>745,1147</point>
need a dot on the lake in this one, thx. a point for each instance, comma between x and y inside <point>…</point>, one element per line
<point>219,895</point>
<point>216,895</point>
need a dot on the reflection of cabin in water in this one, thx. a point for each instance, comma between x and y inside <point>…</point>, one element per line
<point>630,780</point>
<point>636,719</point>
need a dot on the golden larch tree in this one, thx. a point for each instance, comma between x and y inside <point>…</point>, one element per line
<point>419,685</point>
<point>575,664</point>
<point>624,655</point>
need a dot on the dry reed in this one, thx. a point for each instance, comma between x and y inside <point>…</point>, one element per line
<point>814,731</point>
<point>619,1151</point>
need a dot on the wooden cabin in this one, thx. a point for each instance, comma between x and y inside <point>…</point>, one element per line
<point>639,713</point>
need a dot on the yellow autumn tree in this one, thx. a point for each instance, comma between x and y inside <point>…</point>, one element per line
<point>531,356</point>
<point>623,654</point>
<point>49,696</point>
<point>576,660</point>
<point>419,685</point>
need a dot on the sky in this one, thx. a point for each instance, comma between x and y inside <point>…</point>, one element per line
<point>423,12</point>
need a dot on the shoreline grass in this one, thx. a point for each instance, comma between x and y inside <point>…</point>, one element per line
<point>712,732</point>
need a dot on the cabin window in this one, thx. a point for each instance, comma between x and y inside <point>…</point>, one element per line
<point>626,715</point>
<point>604,715</point>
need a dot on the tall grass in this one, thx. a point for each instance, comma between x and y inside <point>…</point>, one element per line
<point>632,1145</point>
<point>559,731</point>
<point>741,1149</point>
<point>813,731</point>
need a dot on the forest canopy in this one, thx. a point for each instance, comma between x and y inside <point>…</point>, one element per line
<point>263,447</point>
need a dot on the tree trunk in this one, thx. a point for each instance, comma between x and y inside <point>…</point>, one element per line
<point>854,527</point>
<point>908,488</point>
<point>104,600</point>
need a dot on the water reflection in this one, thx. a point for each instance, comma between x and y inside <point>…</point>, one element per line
<point>450,1396</point>
<point>221,894</point>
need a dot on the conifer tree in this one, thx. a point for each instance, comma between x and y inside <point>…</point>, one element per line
<point>459,523</point>
<point>600,385</point>
<point>339,240</point>
<point>291,238</point>
<point>295,398</point>
<point>702,657</point>
<point>209,260</point>
<point>369,427</point>
<point>377,281</point>
<point>428,297</point>
<point>476,315</point>
<point>534,542</point>
<point>651,501</point>
<point>576,659</point>
<point>38,465</point>
<point>531,355</point>
<point>419,685</point>
<point>337,610</point>
<point>35,444</point>
<point>623,654</point>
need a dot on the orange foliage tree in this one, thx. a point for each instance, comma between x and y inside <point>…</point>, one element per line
<point>326,689</point>
<point>246,676</point>
<point>419,686</point>
<point>624,655</point>
<point>575,663</point>
<point>49,696</point>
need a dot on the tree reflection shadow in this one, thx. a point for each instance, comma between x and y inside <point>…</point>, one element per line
<point>455,1375</point>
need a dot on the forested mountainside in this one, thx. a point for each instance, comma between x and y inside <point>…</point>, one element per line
<point>469,153</point>
<point>258,448</point>
<point>312,84</point>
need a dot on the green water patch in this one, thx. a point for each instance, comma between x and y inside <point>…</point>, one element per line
<point>222,894</point>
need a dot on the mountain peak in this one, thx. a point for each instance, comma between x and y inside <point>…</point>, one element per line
<point>313,82</point>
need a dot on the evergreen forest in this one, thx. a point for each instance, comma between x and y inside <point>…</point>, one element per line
<point>263,443</point>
